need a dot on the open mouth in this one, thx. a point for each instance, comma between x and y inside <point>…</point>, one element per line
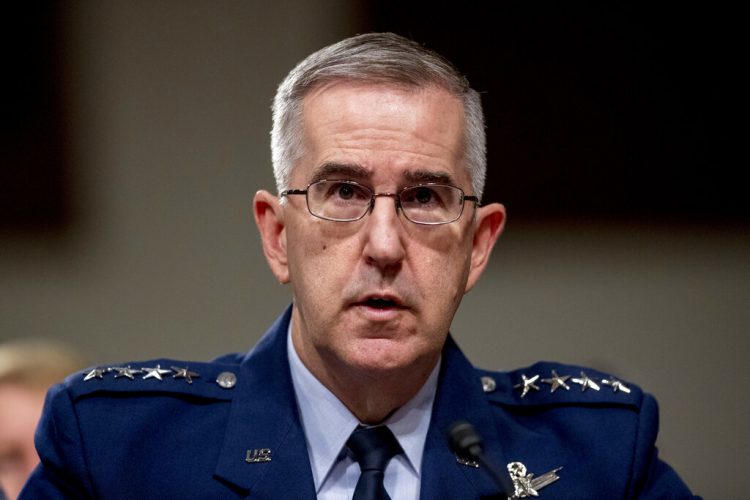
<point>380,303</point>
<point>381,307</point>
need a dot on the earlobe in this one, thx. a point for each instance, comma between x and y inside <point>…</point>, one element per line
<point>269,218</point>
<point>489,224</point>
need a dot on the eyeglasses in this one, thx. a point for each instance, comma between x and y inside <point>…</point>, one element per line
<point>347,201</point>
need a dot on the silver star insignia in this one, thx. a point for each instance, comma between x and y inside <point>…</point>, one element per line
<point>155,372</point>
<point>96,372</point>
<point>526,384</point>
<point>616,385</point>
<point>556,381</point>
<point>125,371</point>
<point>184,373</point>
<point>586,382</point>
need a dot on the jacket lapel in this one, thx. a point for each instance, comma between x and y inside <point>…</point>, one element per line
<point>264,445</point>
<point>459,397</point>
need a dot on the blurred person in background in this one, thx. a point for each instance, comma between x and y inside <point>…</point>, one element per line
<point>27,370</point>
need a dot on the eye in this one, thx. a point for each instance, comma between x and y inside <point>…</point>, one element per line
<point>424,195</point>
<point>345,191</point>
<point>421,196</point>
<point>341,191</point>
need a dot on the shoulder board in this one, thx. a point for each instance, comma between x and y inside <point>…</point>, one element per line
<point>208,380</point>
<point>547,383</point>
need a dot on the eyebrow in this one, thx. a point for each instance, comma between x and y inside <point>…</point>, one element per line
<point>426,176</point>
<point>340,170</point>
<point>357,172</point>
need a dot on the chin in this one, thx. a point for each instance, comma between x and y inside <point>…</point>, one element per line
<point>382,356</point>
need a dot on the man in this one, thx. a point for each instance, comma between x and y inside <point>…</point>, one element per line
<point>379,156</point>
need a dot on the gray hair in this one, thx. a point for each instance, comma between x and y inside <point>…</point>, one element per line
<point>372,58</point>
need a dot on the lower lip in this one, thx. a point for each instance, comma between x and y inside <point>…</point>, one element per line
<point>379,313</point>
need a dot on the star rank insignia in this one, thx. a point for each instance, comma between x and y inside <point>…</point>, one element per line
<point>527,384</point>
<point>556,381</point>
<point>125,371</point>
<point>616,385</point>
<point>184,373</point>
<point>96,372</point>
<point>586,383</point>
<point>155,372</point>
<point>525,484</point>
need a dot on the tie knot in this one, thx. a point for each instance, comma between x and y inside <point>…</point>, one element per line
<point>373,447</point>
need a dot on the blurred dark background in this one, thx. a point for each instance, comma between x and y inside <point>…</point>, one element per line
<point>34,194</point>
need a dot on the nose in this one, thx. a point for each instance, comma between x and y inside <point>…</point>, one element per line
<point>384,234</point>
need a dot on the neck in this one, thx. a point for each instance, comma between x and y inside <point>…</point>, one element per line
<point>372,398</point>
<point>371,395</point>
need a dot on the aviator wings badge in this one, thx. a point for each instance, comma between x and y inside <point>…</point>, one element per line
<point>525,484</point>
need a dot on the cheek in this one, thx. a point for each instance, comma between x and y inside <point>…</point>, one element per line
<point>445,265</point>
<point>317,257</point>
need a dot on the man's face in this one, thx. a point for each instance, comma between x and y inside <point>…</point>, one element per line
<point>378,294</point>
<point>20,408</point>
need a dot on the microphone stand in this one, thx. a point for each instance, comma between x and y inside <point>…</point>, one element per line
<point>466,442</point>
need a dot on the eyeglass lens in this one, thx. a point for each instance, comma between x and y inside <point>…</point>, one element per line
<point>347,200</point>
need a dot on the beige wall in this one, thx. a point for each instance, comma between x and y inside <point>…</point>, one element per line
<point>169,107</point>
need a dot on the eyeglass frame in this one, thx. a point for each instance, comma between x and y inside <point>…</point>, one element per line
<point>396,196</point>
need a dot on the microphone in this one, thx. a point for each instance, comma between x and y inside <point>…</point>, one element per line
<point>466,443</point>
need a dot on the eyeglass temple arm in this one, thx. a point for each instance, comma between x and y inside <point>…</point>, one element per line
<point>293,191</point>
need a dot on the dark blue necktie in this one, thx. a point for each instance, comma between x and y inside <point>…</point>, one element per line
<point>372,448</point>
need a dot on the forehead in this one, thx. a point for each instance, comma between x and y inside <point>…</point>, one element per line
<point>383,131</point>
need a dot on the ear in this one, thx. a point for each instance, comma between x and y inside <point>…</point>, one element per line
<point>488,225</point>
<point>269,217</point>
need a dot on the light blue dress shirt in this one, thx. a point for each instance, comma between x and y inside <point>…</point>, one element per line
<point>327,424</point>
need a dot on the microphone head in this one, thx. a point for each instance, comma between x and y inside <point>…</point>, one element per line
<point>464,440</point>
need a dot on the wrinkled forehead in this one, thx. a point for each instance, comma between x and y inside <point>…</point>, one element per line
<point>355,127</point>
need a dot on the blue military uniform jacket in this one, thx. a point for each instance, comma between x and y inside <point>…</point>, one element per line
<point>173,431</point>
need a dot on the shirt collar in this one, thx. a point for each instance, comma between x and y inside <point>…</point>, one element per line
<point>328,423</point>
